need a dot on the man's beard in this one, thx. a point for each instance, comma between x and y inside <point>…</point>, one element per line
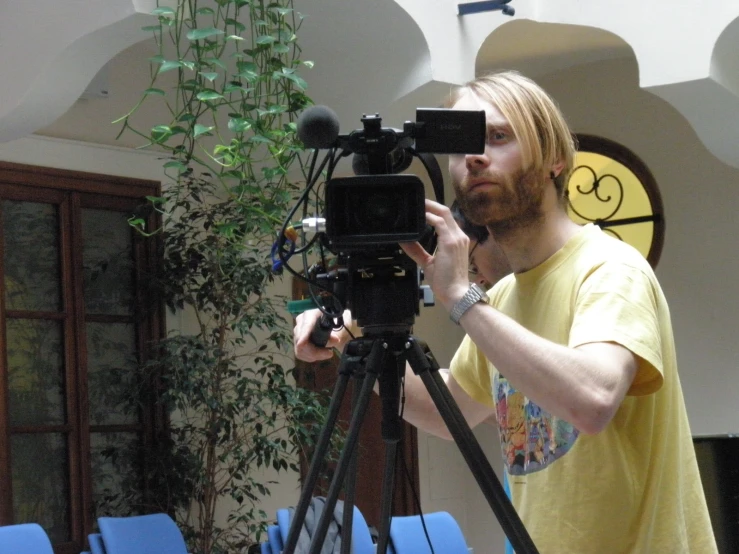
<point>514,204</point>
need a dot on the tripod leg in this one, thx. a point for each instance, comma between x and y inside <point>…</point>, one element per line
<point>351,481</point>
<point>391,435</point>
<point>427,368</point>
<point>318,456</point>
<point>350,445</point>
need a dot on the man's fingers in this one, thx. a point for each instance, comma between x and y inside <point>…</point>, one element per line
<point>417,253</point>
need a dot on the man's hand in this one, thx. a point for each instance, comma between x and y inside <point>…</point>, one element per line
<point>446,269</point>
<point>306,350</point>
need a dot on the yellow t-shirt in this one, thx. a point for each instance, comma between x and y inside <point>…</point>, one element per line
<point>634,488</point>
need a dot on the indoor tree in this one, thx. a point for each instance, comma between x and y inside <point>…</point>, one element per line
<point>227,72</point>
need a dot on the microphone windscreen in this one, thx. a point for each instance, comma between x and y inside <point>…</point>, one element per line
<point>318,127</point>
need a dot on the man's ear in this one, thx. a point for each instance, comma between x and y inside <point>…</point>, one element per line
<point>556,170</point>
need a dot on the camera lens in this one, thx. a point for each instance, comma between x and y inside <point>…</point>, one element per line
<point>378,212</point>
<point>369,211</point>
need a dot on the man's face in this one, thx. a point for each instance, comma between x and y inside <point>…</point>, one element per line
<point>492,188</point>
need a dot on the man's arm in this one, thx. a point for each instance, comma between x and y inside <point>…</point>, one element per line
<point>420,410</point>
<point>583,385</point>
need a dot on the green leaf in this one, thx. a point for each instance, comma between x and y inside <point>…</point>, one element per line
<point>137,223</point>
<point>234,37</point>
<point>281,48</point>
<point>163,10</point>
<point>205,11</point>
<point>156,59</point>
<point>248,66</point>
<point>261,139</point>
<point>233,87</point>
<point>156,91</point>
<point>276,108</point>
<point>210,76</point>
<point>300,83</point>
<point>200,34</point>
<point>156,199</point>
<point>214,61</point>
<point>168,65</point>
<point>189,65</point>
<point>178,165</point>
<point>161,133</point>
<point>151,28</point>
<point>265,39</point>
<point>309,64</point>
<point>239,125</point>
<point>238,25</point>
<point>201,129</point>
<point>186,117</point>
<point>227,229</point>
<point>207,95</point>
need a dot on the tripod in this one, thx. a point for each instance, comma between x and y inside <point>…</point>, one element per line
<point>381,355</point>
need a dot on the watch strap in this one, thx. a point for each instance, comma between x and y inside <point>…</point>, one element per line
<point>473,295</point>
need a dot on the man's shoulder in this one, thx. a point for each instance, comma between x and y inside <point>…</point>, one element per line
<point>599,247</point>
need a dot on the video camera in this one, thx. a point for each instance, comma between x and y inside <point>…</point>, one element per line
<point>364,217</point>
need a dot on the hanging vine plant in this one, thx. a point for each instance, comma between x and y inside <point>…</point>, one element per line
<point>227,72</point>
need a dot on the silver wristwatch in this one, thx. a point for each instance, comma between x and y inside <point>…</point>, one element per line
<point>473,295</point>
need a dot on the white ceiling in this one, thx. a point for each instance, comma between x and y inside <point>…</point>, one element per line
<point>364,65</point>
<point>376,57</point>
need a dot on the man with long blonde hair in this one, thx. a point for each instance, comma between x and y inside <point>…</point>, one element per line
<point>573,352</point>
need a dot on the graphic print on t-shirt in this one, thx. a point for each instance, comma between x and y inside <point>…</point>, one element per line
<point>531,438</point>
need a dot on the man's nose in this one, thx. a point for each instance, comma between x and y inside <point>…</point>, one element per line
<point>477,161</point>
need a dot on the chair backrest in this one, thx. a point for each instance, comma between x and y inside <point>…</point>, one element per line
<point>407,535</point>
<point>96,543</point>
<point>361,537</point>
<point>275,539</point>
<point>26,538</point>
<point>147,534</point>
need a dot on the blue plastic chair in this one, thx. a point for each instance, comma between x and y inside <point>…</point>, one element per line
<point>275,539</point>
<point>96,544</point>
<point>407,535</point>
<point>26,538</point>
<point>361,537</point>
<point>277,534</point>
<point>147,534</point>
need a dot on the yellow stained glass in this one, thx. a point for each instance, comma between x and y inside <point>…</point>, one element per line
<point>618,195</point>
